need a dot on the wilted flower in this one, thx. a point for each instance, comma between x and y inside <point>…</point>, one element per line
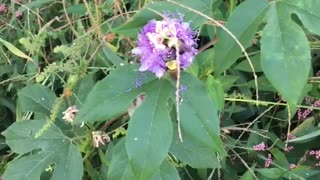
<point>268,161</point>
<point>3,8</point>
<point>70,113</point>
<point>260,147</point>
<point>99,138</point>
<point>159,41</point>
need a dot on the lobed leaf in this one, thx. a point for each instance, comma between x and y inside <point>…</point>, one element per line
<point>36,98</point>
<point>51,149</point>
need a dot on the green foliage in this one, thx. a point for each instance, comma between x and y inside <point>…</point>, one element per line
<point>36,98</point>
<point>55,150</point>
<point>74,105</point>
<point>284,56</point>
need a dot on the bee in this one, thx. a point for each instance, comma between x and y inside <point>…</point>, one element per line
<point>172,64</point>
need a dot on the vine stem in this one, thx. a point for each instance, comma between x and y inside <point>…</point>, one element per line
<point>232,36</point>
<point>266,103</point>
<point>177,91</point>
<point>289,126</point>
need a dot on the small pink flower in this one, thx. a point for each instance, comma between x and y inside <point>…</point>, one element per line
<point>260,147</point>
<point>291,136</point>
<point>288,149</point>
<point>268,161</point>
<point>70,113</point>
<point>292,166</point>
<point>317,164</point>
<point>18,14</point>
<point>312,152</point>
<point>3,8</point>
<point>307,112</point>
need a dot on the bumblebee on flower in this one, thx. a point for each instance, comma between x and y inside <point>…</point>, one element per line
<point>159,41</point>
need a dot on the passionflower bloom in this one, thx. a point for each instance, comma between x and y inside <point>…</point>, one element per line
<point>159,41</point>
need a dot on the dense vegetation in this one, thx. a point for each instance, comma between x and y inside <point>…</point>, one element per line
<point>146,89</point>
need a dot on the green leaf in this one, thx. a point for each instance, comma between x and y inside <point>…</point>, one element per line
<point>205,61</point>
<point>248,174</point>
<point>84,87</point>
<point>119,168</point>
<point>33,4</point>
<point>167,172</point>
<point>112,56</point>
<point>15,50</point>
<point>306,137</point>
<point>119,161</point>
<point>243,24</point>
<point>305,126</point>
<point>53,148</point>
<point>200,127</point>
<point>272,173</point>
<point>228,81</point>
<point>280,157</point>
<point>307,11</point>
<point>36,98</point>
<point>216,92</point>
<point>263,84</point>
<point>112,95</point>
<point>244,65</point>
<point>285,53</point>
<point>132,27</point>
<point>150,131</point>
<point>78,9</point>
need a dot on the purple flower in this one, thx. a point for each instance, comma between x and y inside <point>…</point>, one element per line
<point>159,41</point>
